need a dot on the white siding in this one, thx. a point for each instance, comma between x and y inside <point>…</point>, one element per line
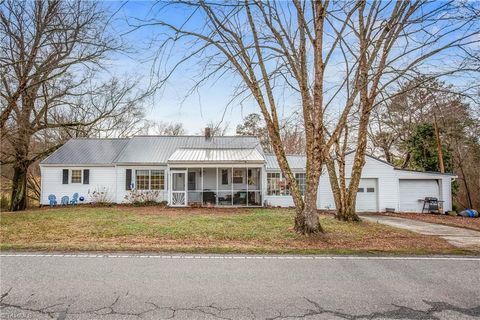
<point>279,201</point>
<point>386,190</point>
<point>112,178</point>
<point>325,198</point>
<point>446,190</point>
<point>101,178</point>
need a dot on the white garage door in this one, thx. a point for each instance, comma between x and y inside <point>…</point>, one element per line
<point>367,195</point>
<point>411,191</point>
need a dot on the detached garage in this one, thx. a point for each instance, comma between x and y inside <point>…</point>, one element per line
<point>413,191</point>
<point>383,186</point>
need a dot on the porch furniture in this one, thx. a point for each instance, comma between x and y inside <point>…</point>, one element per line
<point>227,200</point>
<point>209,197</point>
<point>52,200</point>
<point>74,199</point>
<point>240,198</point>
<point>64,201</point>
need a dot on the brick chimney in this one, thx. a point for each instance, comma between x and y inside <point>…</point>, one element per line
<point>208,133</point>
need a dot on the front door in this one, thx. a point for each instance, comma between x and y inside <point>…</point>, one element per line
<point>178,190</point>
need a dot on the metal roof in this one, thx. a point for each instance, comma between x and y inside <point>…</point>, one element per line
<point>158,149</point>
<point>142,149</point>
<point>296,162</point>
<point>87,151</point>
<point>216,155</point>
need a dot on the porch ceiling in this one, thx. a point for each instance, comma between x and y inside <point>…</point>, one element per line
<point>191,155</point>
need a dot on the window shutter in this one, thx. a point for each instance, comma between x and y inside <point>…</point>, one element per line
<point>128,180</point>
<point>86,176</point>
<point>65,176</point>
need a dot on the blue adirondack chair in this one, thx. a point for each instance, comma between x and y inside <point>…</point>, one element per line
<point>74,198</point>
<point>64,201</point>
<point>53,200</point>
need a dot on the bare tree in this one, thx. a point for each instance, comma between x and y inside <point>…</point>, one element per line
<point>291,131</point>
<point>164,128</point>
<point>253,125</point>
<point>50,52</point>
<point>272,48</point>
<point>431,102</point>
<point>216,129</point>
<point>112,109</point>
<point>383,46</point>
<point>300,48</point>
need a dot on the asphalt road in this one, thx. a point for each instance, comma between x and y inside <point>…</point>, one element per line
<point>237,287</point>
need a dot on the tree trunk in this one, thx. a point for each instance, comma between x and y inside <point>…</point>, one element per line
<point>439,145</point>
<point>359,161</point>
<point>332,174</point>
<point>306,219</point>
<point>19,187</point>
<point>348,213</point>
<point>467,189</point>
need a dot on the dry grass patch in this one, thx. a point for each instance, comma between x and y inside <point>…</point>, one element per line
<point>200,230</point>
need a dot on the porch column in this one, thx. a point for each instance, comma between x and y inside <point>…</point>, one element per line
<point>216,195</point>
<point>231,187</point>
<point>248,182</point>
<point>201,180</point>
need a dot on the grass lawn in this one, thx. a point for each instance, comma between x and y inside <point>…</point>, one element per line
<point>457,221</point>
<point>123,228</point>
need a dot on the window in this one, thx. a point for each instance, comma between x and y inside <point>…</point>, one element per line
<point>301,180</point>
<point>237,176</point>
<point>360,190</point>
<point>273,186</point>
<point>370,189</point>
<point>76,176</point>
<point>150,179</point>
<point>224,176</point>
<point>277,185</point>
<point>143,177</point>
<point>157,179</point>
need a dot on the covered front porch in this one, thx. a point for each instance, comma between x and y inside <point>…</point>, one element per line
<point>205,177</point>
<point>219,186</point>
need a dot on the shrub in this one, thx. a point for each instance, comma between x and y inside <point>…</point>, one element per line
<point>4,203</point>
<point>100,197</point>
<point>144,198</point>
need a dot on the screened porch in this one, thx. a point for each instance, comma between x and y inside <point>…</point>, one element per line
<point>216,186</point>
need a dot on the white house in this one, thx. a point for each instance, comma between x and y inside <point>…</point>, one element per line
<point>218,171</point>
